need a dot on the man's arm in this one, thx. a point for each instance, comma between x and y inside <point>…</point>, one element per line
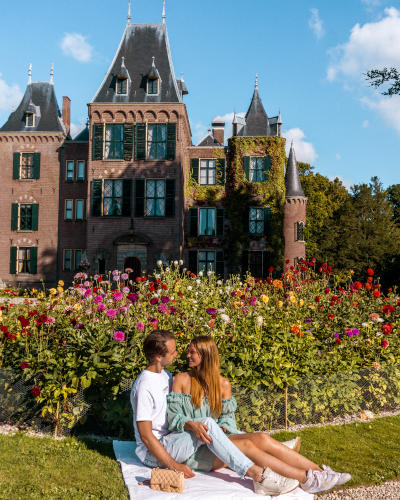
<point>158,451</point>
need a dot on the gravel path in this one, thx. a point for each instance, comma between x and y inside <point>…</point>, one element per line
<point>388,491</point>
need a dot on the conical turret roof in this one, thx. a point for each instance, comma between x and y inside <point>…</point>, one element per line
<point>292,178</point>
<point>257,122</point>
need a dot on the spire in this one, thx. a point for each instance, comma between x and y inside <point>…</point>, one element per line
<point>256,86</point>
<point>51,73</point>
<point>292,178</point>
<point>30,74</point>
<point>129,13</point>
<point>123,62</point>
<point>163,14</point>
<point>182,77</point>
<point>280,118</point>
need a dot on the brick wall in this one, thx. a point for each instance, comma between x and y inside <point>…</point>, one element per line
<point>295,211</point>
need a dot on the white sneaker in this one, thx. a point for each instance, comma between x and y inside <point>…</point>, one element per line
<point>273,484</point>
<point>343,477</point>
<point>319,481</point>
<point>293,444</point>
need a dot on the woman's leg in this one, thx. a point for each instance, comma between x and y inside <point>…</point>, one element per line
<point>278,450</point>
<point>262,459</point>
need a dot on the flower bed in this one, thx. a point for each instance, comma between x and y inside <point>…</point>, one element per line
<point>270,333</point>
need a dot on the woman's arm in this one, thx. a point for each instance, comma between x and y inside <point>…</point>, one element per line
<point>179,380</point>
<point>227,420</point>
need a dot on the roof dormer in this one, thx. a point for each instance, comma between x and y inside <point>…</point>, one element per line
<point>32,114</point>
<point>123,79</point>
<point>153,80</point>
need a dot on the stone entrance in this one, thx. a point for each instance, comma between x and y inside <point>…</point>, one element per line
<point>132,246</point>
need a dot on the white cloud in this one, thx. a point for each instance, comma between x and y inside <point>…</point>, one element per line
<point>338,157</point>
<point>372,46</point>
<point>76,46</point>
<point>76,128</point>
<point>365,124</point>
<point>387,108</point>
<point>10,95</point>
<point>347,183</point>
<point>316,24</point>
<point>199,130</point>
<point>305,151</point>
<point>228,123</point>
<point>371,2</point>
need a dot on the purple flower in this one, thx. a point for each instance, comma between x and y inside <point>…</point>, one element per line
<point>120,336</point>
<point>165,299</point>
<point>233,294</point>
<point>111,313</point>
<point>253,300</point>
<point>308,332</point>
<point>336,335</point>
<point>172,310</point>
<point>211,311</point>
<point>86,283</point>
<point>162,308</point>
<point>356,331</point>
<point>126,289</point>
<point>349,333</point>
<point>79,326</point>
<point>124,276</point>
<point>115,273</point>
<point>308,320</point>
<point>101,308</point>
<point>140,327</point>
<point>117,296</point>
<point>134,297</point>
<point>319,353</point>
<point>96,277</point>
<point>285,295</point>
<point>88,292</point>
<point>98,299</point>
<point>116,278</point>
<point>153,321</point>
<point>154,301</point>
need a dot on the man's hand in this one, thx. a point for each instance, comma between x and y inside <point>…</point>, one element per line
<point>199,430</point>
<point>187,471</point>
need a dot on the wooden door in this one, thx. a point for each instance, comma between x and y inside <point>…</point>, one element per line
<point>134,264</point>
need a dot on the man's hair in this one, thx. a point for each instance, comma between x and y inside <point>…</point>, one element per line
<point>154,345</point>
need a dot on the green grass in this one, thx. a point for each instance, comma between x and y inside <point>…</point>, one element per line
<point>80,469</point>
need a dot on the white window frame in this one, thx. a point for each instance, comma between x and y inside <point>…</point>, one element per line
<point>77,170</point>
<point>19,218</point>
<point>21,155</point>
<point>158,86</point>
<point>66,170</point>
<point>216,175</point>
<point>76,209</point>
<point>262,171</point>
<point>72,210</point>
<point>145,198</point>
<point>17,264</point>
<point>70,259</point>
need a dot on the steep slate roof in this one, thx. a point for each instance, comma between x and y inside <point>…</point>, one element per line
<point>208,140</point>
<point>257,123</point>
<point>44,104</point>
<point>140,42</point>
<point>292,178</point>
<point>84,135</point>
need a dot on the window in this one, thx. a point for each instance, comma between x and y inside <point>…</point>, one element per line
<point>206,261</point>
<point>257,170</point>
<point>155,198</point>
<point>112,201</point>
<point>207,222</point>
<point>300,231</point>
<point>235,129</point>
<point>102,266</point>
<point>122,86</point>
<point>80,175</point>
<point>68,209</point>
<point>25,217</point>
<point>70,170</point>
<point>256,220</point>
<point>67,260</point>
<point>78,259</point>
<point>29,120</point>
<point>207,172</point>
<point>152,87</point>
<point>114,143</point>
<point>79,210</point>
<point>256,264</point>
<point>156,142</point>
<point>24,260</point>
<point>27,160</point>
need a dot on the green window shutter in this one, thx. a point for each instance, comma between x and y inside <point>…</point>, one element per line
<point>35,217</point>
<point>171,141</point>
<point>267,221</point>
<point>98,130</point>
<point>194,169</point>
<point>140,185</point>
<point>267,167</point>
<point>16,164</point>
<point>220,222</point>
<point>14,217</point>
<point>193,222</point>
<point>140,141</point>
<point>13,260</point>
<point>128,141</point>
<point>36,165</point>
<point>193,261</point>
<point>126,197</point>
<point>221,171</point>
<point>97,192</point>
<point>246,166</point>
<point>219,265</point>
<point>266,263</point>
<point>245,262</point>
<point>246,219</point>
<point>34,253</point>
<point>170,198</point>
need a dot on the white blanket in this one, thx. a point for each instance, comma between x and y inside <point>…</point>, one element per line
<point>222,484</point>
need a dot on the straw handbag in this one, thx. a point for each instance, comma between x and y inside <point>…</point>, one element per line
<point>170,481</point>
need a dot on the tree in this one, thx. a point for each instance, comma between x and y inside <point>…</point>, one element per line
<point>380,77</point>
<point>394,199</point>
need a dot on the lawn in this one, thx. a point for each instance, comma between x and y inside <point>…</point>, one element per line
<point>34,469</point>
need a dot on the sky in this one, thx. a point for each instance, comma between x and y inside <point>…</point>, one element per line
<point>310,58</point>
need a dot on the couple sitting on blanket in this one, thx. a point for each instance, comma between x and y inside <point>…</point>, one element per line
<point>189,424</point>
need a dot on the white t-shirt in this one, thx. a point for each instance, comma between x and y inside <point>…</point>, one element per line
<point>149,402</point>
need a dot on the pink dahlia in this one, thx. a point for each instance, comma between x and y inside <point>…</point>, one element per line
<point>120,336</point>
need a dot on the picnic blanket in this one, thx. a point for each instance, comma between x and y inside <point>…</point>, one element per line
<point>222,484</point>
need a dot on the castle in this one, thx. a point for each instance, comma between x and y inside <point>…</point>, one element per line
<point>131,189</point>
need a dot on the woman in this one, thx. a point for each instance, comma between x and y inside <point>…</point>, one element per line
<point>203,392</point>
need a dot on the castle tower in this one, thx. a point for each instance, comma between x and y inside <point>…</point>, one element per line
<point>295,213</point>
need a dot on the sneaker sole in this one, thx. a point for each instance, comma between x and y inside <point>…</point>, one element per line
<point>281,493</point>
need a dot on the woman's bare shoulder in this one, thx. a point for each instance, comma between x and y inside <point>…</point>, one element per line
<point>182,382</point>
<point>225,388</point>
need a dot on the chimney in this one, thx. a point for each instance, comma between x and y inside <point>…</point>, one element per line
<point>66,113</point>
<point>218,126</point>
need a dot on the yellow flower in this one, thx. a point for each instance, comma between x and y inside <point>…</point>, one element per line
<point>60,289</point>
<point>280,303</point>
<point>54,302</point>
<point>301,302</point>
<point>18,334</point>
<point>40,295</point>
<point>61,283</point>
<point>53,291</point>
<point>77,307</point>
<point>277,284</point>
<point>265,299</point>
<point>237,305</point>
<point>292,299</point>
<point>291,293</point>
<point>311,306</point>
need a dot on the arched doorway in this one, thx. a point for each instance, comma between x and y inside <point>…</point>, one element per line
<point>134,264</point>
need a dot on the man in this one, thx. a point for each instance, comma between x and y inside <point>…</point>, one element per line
<point>156,447</point>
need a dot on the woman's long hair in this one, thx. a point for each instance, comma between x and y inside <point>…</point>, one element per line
<point>206,376</point>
